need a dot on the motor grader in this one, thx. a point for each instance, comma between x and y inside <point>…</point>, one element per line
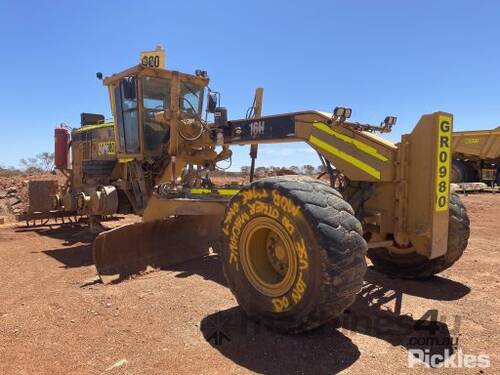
<point>292,248</point>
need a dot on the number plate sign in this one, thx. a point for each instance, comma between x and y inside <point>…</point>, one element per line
<point>153,59</point>
<point>275,127</point>
<point>443,163</point>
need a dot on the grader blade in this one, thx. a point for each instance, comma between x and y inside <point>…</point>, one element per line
<point>141,247</point>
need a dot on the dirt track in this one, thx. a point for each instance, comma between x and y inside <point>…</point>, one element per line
<point>54,320</point>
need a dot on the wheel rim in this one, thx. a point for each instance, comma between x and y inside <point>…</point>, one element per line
<point>268,257</point>
<point>396,250</point>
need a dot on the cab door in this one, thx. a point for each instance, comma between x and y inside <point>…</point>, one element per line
<point>127,117</point>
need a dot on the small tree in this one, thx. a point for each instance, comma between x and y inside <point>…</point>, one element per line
<point>30,165</point>
<point>8,171</point>
<point>245,169</point>
<point>43,162</point>
<point>321,168</point>
<point>261,171</point>
<point>46,161</point>
<point>308,169</point>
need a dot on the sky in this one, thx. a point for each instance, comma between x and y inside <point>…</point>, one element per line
<point>385,57</point>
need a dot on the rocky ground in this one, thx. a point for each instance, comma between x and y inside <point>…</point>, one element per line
<point>14,192</point>
<point>55,319</point>
<point>10,201</point>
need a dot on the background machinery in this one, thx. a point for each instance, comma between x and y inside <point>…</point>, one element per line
<point>476,156</point>
<point>292,248</point>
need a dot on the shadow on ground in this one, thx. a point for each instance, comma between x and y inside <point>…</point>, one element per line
<point>73,257</point>
<point>329,349</point>
<point>322,351</point>
<point>77,243</point>
<point>70,234</point>
<point>208,267</point>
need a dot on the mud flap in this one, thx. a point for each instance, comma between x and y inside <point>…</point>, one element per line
<point>140,247</point>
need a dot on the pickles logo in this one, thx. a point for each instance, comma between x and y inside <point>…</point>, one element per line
<point>443,163</point>
<point>424,357</point>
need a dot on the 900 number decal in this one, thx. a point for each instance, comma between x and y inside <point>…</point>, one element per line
<point>151,61</point>
<point>443,163</point>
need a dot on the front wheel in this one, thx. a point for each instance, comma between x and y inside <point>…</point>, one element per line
<point>292,252</point>
<point>415,266</point>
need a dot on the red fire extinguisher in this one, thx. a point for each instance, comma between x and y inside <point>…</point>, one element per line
<point>61,145</point>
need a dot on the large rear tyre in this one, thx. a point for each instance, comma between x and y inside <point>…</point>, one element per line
<point>292,252</point>
<point>414,266</point>
<point>463,172</point>
<point>458,171</point>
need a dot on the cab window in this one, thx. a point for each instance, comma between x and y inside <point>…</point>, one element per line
<point>156,93</point>
<point>191,100</point>
<point>156,98</point>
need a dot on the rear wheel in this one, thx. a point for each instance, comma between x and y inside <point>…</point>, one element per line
<point>459,171</point>
<point>411,265</point>
<point>292,252</point>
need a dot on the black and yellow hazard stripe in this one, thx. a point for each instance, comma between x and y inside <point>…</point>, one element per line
<point>356,162</point>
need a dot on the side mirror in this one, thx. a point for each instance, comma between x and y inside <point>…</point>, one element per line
<point>128,86</point>
<point>212,102</point>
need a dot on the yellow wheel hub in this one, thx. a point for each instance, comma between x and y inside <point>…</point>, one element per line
<point>267,256</point>
<point>401,250</point>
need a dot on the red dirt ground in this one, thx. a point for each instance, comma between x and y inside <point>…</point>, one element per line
<point>55,320</point>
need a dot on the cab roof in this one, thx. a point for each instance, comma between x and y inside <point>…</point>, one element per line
<point>142,70</point>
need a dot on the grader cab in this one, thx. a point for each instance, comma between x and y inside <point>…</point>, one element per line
<point>155,109</point>
<point>292,248</point>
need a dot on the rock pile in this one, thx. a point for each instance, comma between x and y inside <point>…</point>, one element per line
<point>14,190</point>
<point>10,201</point>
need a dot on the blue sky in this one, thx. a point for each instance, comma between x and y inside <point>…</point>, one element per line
<point>403,58</point>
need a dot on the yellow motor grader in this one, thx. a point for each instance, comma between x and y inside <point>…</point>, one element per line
<point>292,248</point>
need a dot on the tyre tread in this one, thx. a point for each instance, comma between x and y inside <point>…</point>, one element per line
<point>342,245</point>
<point>423,268</point>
